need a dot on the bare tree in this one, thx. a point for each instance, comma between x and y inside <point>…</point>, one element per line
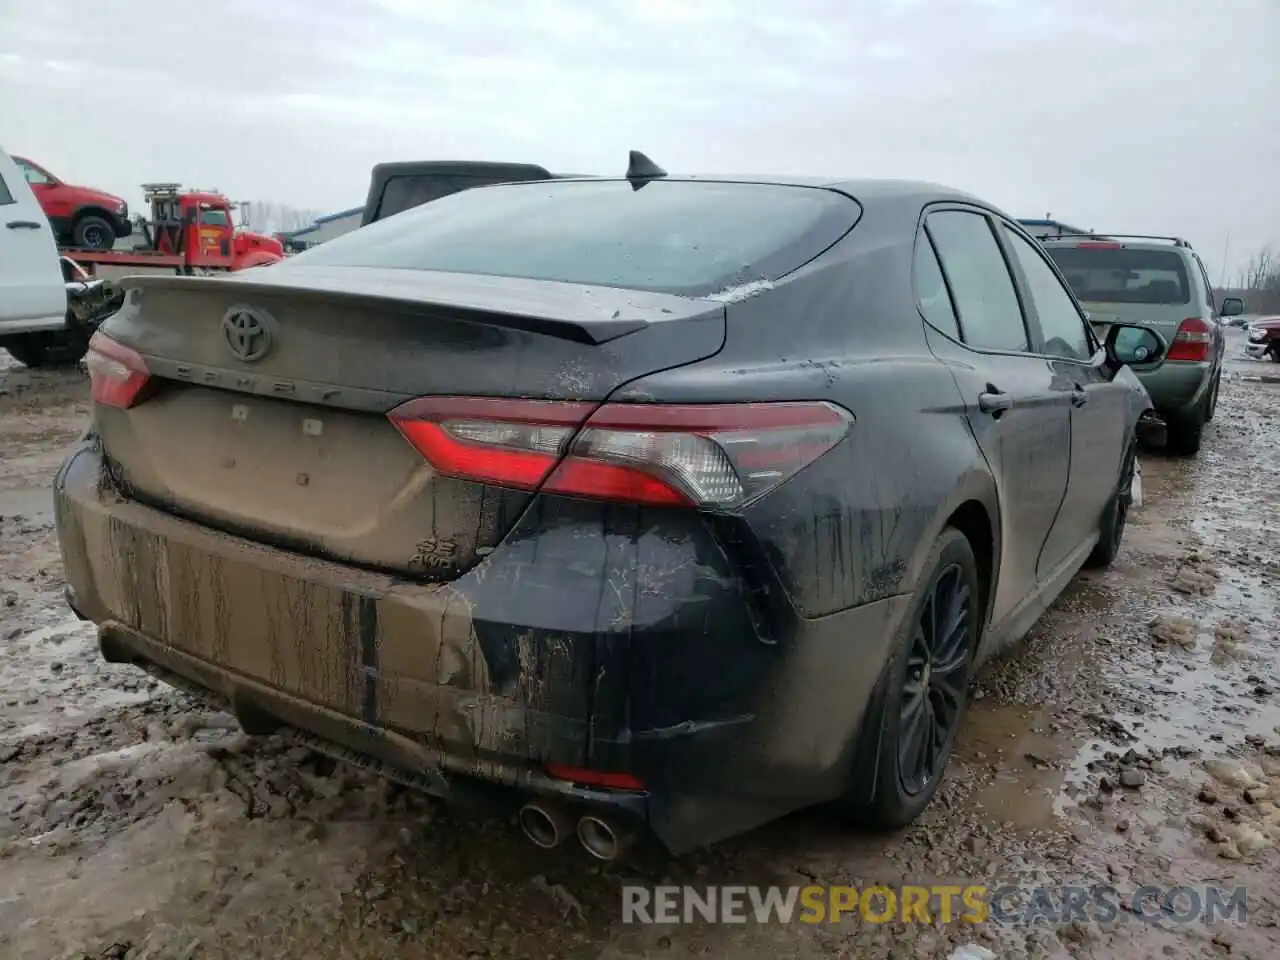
<point>270,216</point>
<point>1259,282</point>
<point>1262,272</point>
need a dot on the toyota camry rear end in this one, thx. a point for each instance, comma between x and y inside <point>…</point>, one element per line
<point>421,497</point>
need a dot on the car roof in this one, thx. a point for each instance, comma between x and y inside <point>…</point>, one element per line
<point>864,189</point>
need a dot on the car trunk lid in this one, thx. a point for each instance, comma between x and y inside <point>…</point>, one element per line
<point>265,415</point>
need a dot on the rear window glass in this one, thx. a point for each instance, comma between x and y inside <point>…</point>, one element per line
<point>674,236</point>
<point>1122,275</point>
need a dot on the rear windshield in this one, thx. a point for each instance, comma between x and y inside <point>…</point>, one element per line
<point>1122,275</point>
<point>673,236</point>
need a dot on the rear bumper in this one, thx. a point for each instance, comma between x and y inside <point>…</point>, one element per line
<point>605,645</point>
<point>1177,387</point>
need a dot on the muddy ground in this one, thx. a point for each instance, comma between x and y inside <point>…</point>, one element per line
<point>1129,741</point>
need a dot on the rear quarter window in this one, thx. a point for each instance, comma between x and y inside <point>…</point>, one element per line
<point>1124,275</point>
<point>692,238</point>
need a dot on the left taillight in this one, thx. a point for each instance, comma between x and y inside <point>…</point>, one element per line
<point>1192,341</point>
<point>705,455</point>
<point>117,374</point>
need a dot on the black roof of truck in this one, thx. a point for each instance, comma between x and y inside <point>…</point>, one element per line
<point>395,187</point>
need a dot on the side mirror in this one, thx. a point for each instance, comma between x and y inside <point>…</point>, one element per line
<point>1232,307</point>
<point>1133,346</point>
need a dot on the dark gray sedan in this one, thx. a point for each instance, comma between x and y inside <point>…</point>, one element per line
<point>668,505</point>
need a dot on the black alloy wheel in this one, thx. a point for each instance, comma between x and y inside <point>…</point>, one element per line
<point>1111,530</point>
<point>912,720</point>
<point>937,675</point>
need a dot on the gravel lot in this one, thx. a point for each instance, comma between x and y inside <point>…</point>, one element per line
<point>1131,740</point>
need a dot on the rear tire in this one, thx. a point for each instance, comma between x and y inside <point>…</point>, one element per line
<point>1111,530</point>
<point>39,350</point>
<point>93,233</point>
<point>924,691</point>
<point>1274,353</point>
<point>1185,434</point>
<point>1213,398</point>
<point>25,351</point>
<point>1185,437</point>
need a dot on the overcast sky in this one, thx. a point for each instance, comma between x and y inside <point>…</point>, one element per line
<point>1122,115</point>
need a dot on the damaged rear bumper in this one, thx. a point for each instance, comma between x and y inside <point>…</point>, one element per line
<point>586,639</point>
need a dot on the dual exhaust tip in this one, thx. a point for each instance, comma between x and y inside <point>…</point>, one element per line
<point>549,825</point>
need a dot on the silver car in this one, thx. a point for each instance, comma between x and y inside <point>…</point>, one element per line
<point>1159,283</point>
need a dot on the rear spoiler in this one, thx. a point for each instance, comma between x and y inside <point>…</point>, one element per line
<point>581,314</point>
<point>1176,241</point>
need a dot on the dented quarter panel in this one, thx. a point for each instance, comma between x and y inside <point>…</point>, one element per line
<point>854,527</point>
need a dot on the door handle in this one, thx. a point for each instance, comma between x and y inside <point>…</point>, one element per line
<point>22,225</point>
<point>994,401</point>
<point>1079,397</point>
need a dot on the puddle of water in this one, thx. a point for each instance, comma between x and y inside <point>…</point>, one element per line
<point>1165,697</point>
<point>1027,760</point>
<point>53,678</point>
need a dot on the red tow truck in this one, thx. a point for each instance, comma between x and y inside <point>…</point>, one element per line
<point>190,232</point>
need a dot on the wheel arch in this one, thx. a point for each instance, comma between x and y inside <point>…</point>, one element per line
<point>972,519</point>
<point>91,210</point>
<point>973,509</point>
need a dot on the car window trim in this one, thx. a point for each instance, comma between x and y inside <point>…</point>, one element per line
<point>1208,285</point>
<point>922,233</point>
<point>1020,281</point>
<point>985,214</point>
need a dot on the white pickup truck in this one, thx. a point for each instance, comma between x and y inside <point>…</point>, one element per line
<point>48,306</point>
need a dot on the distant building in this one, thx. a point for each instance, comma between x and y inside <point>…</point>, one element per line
<point>1048,229</point>
<point>325,228</point>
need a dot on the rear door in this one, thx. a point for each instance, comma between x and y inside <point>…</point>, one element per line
<point>1099,405</point>
<point>32,294</point>
<point>1019,415</point>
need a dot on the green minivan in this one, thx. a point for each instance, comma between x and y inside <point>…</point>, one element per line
<point>1161,283</point>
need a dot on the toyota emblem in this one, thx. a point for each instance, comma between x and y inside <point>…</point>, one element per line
<point>247,333</point>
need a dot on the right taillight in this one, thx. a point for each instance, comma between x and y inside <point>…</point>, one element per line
<point>117,374</point>
<point>1192,341</point>
<point>705,455</point>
